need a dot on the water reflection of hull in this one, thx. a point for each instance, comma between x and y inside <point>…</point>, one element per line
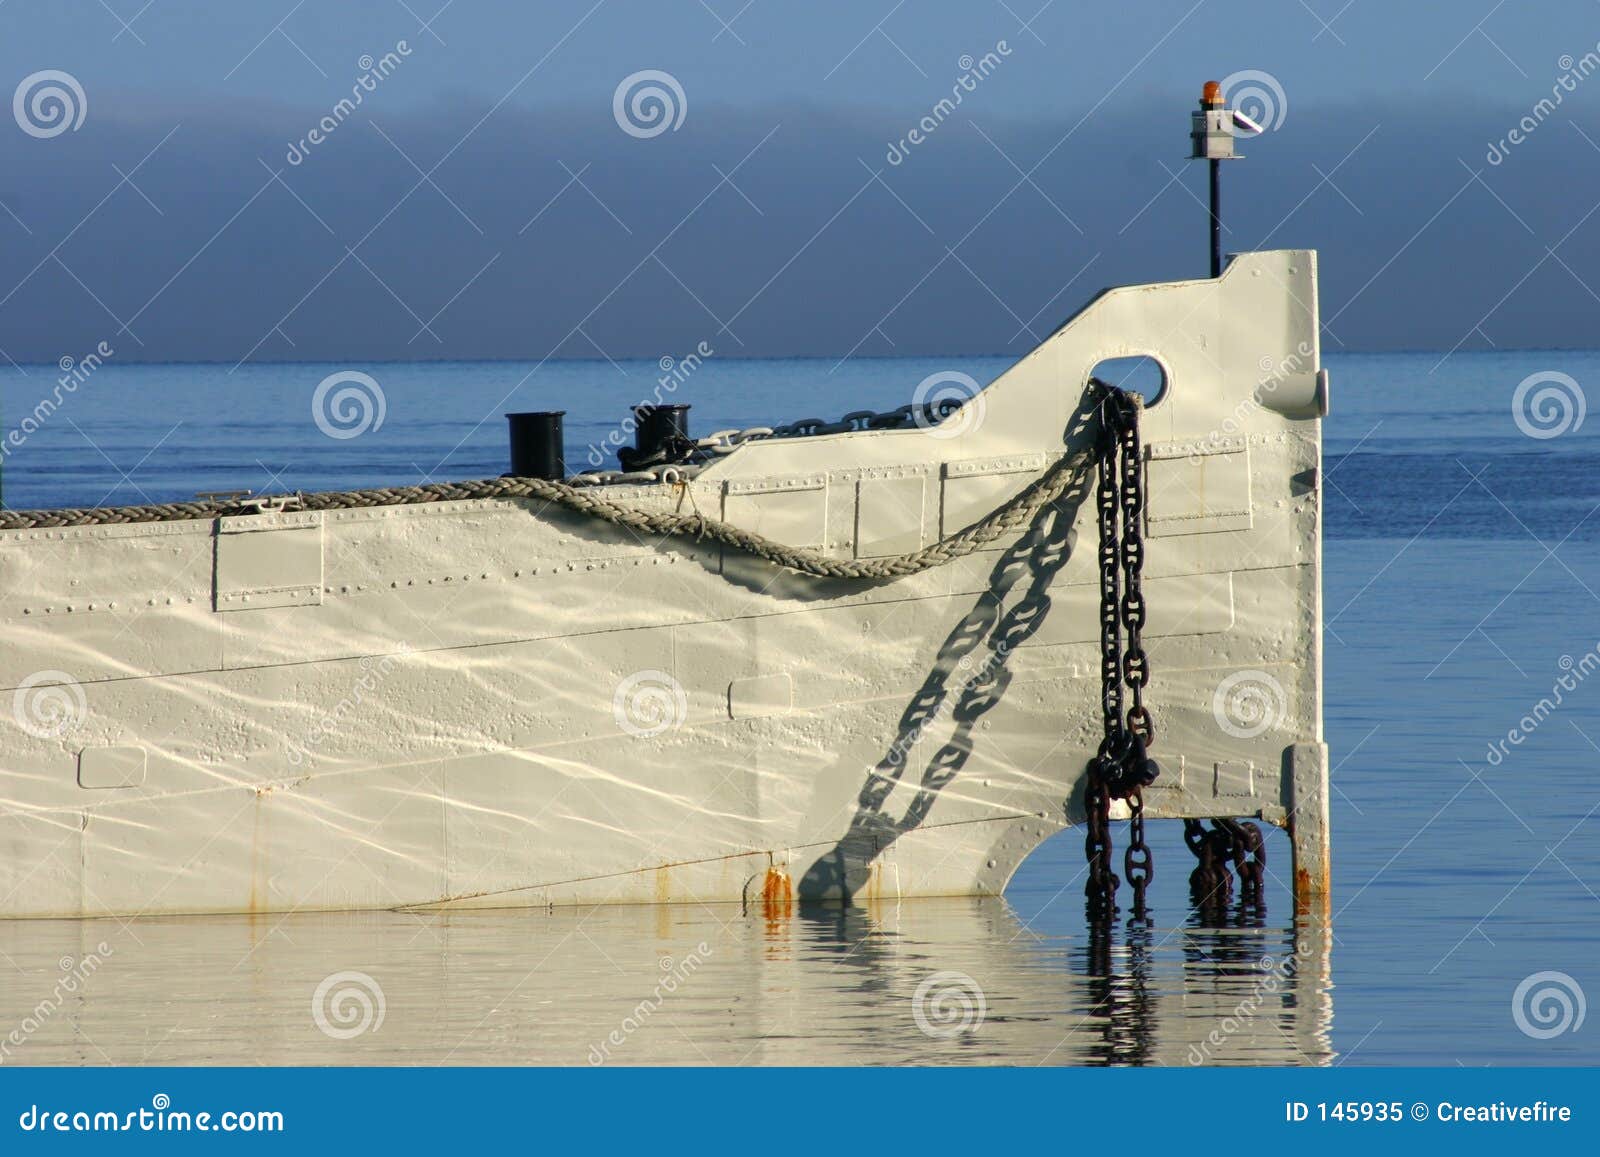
<point>923,982</point>
<point>486,703</point>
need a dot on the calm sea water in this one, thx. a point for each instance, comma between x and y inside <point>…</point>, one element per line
<point>1463,578</point>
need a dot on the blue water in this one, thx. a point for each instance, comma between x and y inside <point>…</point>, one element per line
<point>1462,571</point>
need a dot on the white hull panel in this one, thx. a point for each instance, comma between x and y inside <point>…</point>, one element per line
<point>493,703</point>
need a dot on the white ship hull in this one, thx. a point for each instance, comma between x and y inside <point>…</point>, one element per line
<point>490,703</point>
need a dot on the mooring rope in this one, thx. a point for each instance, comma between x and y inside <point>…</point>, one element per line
<point>1005,519</point>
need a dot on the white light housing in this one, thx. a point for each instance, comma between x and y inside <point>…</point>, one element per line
<point>1245,122</point>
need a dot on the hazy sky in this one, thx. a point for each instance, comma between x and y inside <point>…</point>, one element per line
<point>485,200</point>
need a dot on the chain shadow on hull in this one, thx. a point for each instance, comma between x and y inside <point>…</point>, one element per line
<point>981,643</point>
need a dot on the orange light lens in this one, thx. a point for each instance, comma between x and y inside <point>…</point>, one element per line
<point>1212,93</point>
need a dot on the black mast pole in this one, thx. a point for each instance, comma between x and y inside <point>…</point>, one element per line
<point>1216,218</point>
<point>1212,136</point>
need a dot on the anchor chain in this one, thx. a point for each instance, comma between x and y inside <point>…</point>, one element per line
<point>1122,767</point>
<point>1250,861</point>
<point>1228,841</point>
<point>1249,856</point>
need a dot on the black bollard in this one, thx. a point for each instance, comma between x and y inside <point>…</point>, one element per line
<point>536,445</point>
<point>660,434</point>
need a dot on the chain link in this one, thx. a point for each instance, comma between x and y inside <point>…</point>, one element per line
<point>1228,841</point>
<point>1122,766</point>
<point>1135,664</point>
<point>1138,864</point>
<point>1101,888</point>
<point>1210,884</point>
<point>1249,857</point>
<point>689,453</point>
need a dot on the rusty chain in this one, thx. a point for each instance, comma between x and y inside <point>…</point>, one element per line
<point>692,452</point>
<point>1228,841</point>
<point>1249,855</point>
<point>1122,766</point>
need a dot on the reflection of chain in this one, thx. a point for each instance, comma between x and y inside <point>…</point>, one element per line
<point>1121,768</point>
<point>1119,994</point>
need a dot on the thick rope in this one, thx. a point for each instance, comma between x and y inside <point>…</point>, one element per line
<point>1002,521</point>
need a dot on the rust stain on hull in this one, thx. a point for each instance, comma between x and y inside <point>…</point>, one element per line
<point>1313,894</point>
<point>777,895</point>
<point>258,867</point>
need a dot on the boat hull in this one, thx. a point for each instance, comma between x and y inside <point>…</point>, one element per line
<point>500,702</point>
